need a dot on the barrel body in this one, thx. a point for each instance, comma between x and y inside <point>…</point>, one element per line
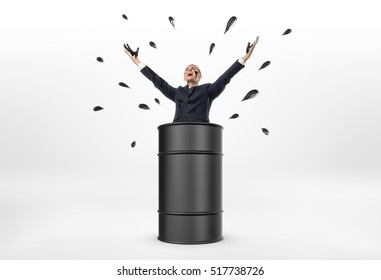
<point>190,183</point>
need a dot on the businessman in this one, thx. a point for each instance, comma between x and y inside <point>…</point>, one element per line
<point>193,101</point>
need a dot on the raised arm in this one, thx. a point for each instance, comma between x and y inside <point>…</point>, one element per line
<point>157,81</point>
<point>218,86</point>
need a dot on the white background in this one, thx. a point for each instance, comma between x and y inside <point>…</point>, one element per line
<point>71,186</point>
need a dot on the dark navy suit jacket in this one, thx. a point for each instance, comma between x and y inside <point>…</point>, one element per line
<point>194,106</point>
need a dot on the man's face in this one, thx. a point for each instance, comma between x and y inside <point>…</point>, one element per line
<point>192,74</point>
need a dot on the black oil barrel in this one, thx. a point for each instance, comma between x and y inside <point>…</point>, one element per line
<point>190,183</point>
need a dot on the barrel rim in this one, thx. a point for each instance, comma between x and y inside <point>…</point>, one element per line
<point>190,123</point>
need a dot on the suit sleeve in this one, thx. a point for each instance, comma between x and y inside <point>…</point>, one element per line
<point>218,86</point>
<point>159,83</point>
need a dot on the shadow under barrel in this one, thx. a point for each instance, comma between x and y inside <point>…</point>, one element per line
<point>190,183</point>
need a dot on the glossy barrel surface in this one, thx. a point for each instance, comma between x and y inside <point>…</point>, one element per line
<point>190,183</point>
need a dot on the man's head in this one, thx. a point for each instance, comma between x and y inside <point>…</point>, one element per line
<point>192,75</point>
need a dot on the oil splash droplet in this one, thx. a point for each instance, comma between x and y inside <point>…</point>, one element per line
<point>251,94</point>
<point>97,108</point>
<point>172,21</point>
<point>123,85</point>
<point>288,31</point>
<point>264,65</point>
<point>265,131</point>
<point>144,106</point>
<point>230,23</point>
